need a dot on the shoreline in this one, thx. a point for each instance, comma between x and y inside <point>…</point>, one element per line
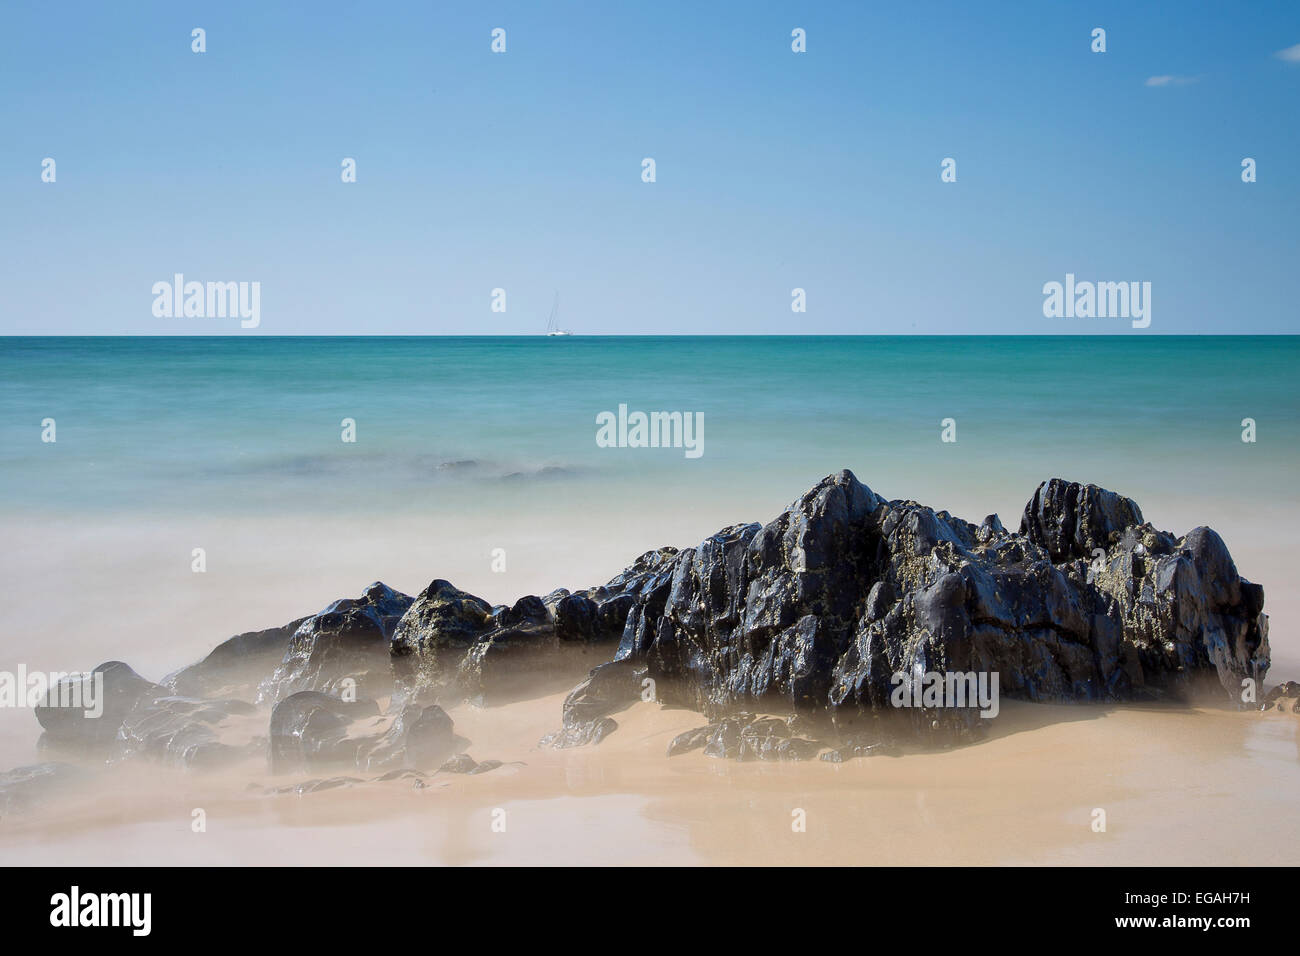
<point>1023,797</point>
<point>543,705</point>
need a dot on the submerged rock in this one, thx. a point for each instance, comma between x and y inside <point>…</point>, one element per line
<point>317,785</point>
<point>311,729</point>
<point>863,745</point>
<point>184,732</point>
<point>414,775</point>
<point>420,736</point>
<point>461,763</point>
<point>100,701</point>
<point>579,735</point>
<point>25,787</point>
<point>745,736</point>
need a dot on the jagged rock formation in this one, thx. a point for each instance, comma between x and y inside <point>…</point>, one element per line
<point>818,610</point>
<point>812,616</point>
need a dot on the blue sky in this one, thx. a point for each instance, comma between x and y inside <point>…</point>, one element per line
<point>775,170</point>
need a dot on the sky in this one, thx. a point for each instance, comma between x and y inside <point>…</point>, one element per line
<point>774,170</point>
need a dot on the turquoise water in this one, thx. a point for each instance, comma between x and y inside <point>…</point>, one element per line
<point>231,424</point>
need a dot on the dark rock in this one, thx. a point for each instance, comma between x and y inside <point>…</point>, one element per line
<point>528,611</point>
<point>577,618</point>
<point>1072,520</point>
<point>690,740</point>
<point>439,627</point>
<point>724,736</point>
<point>316,786</point>
<point>414,775</point>
<point>642,573</point>
<point>310,728</point>
<point>67,721</point>
<point>456,642</point>
<point>345,647</point>
<point>579,735</point>
<point>745,736</point>
<point>418,737</point>
<point>235,667</point>
<point>461,763</point>
<point>863,745</point>
<point>815,612</point>
<point>989,530</point>
<point>607,690</point>
<point>183,732</point>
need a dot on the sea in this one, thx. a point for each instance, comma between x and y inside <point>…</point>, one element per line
<point>302,468</point>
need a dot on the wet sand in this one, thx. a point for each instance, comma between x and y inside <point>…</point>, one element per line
<point>1179,786</point>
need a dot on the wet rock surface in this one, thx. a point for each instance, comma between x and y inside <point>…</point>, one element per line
<point>816,611</point>
<point>608,689</point>
<point>745,736</point>
<point>591,732</point>
<point>85,711</point>
<point>464,763</point>
<point>462,646</point>
<point>811,616</point>
<point>311,729</point>
<point>461,763</point>
<point>316,785</point>
<point>183,732</point>
<point>347,642</point>
<point>872,743</point>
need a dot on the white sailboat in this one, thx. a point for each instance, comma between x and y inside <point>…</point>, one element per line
<point>552,327</point>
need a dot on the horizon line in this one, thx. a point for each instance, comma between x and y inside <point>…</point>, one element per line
<point>1145,333</point>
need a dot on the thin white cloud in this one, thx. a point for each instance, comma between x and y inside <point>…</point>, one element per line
<point>1170,80</point>
<point>1291,54</point>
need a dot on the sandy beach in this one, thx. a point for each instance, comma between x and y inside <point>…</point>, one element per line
<point>1025,796</point>
<point>99,568</point>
